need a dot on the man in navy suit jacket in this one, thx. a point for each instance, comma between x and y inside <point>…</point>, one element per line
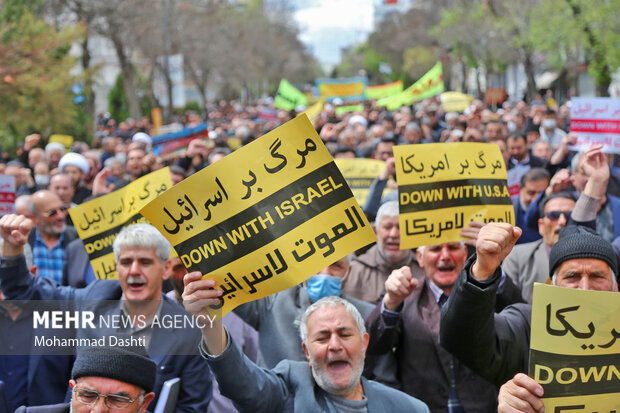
<point>140,252</point>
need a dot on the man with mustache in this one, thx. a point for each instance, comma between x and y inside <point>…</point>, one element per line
<point>497,346</point>
<point>140,252</point>
<point>407,319</point>
<point>529,263</point>
<point>334,341</point>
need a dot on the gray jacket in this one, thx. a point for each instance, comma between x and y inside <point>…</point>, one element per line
<point>527,264</point>
<point>277,317</point>
<point>290,387</point>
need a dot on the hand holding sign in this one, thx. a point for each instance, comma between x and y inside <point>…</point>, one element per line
<point>520,394</point>
<point>285,213</point>
<point>495,241</point>
<point>442,187</point>
<point>198,295</point>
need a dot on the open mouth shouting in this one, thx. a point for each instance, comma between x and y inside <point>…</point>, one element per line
<point>136,283</point>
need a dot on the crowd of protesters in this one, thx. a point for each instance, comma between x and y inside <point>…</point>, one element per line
<point>399,293</point>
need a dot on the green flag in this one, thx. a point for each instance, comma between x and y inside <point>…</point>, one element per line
<point>289,97</point>
<point>429,85</point>
<point>351,108</point>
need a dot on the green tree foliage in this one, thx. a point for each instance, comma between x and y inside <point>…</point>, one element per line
<point>570,29</point>
<point>118,105</point>
<point>35,79</point>
<point>364,58</point>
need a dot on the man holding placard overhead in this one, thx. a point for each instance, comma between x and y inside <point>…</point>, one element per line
<point>334,341</point>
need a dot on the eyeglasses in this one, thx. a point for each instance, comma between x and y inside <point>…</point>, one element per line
<point>555,215</point>
<point>112,401</point>
<point>53,212</point>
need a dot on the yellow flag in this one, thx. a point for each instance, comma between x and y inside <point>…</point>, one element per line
<point>382,91</point>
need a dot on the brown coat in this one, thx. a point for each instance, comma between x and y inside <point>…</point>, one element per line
<point>366,280</point>
<point>423,365</point>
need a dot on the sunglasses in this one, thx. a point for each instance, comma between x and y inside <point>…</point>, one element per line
<point>52,212</point>
<point>555,215</point>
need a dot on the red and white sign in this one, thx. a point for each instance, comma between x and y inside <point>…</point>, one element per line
<point>7,194</point>
<point>596,121</point>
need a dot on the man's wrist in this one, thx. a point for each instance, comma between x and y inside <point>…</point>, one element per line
<point>11,251</point>
<point>390,304</point>
<point>478,273</point>
<point>10,260</point>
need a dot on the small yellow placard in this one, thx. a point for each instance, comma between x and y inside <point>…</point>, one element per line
<point>360,173</point>
<point>65,140</point>
<point>99,221</point>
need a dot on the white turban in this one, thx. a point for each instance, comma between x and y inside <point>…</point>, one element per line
<point>75,159</point>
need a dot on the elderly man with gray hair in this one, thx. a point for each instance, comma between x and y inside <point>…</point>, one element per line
<point>334,341</point>
<point>140,252</point>
<point>370,270</point>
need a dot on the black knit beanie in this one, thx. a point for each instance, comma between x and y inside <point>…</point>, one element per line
<point>128,364</point>
<point>576,241</point>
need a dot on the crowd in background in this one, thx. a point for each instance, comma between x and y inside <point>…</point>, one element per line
<point>535,143</point>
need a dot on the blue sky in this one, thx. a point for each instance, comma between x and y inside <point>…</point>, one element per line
<point>328,25</point>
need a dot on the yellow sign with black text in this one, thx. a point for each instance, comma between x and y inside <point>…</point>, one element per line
<point>444,186</point>
<point>99,220</point>
<point>575,348</point>
<point>264,218</point>
<point>360,174</point>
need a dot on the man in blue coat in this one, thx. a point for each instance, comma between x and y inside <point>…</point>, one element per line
<point>140,252</point>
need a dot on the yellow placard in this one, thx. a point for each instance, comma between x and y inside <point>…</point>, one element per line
<point>99,220</point>
<point>233,143</point>
<point>65,140</point>
<point>575,348</point>
<point>455,101</point>
<point>444,186</point>
<point>360,173</point>
<point>315,110</point>
<point>264,218</point>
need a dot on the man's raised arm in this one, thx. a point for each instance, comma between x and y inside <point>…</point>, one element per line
<point>247,385</point>
<point>470,329</point>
